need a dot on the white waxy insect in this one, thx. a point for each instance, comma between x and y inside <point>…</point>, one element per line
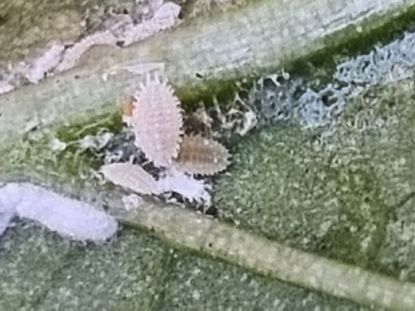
<point>199,155</point>
<point>187,186</point>
<point>69,217</point>
<point>130,176</point>
<point>157,121</point>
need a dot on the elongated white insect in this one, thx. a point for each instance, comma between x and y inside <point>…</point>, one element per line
<point>68,217</point>
<point>130,176</point>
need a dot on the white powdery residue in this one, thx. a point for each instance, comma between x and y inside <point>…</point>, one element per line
<point>57,145</point>
<point>371,68</point>
<point>167,14</point>
<point>250,120</point>
<point>7,212</point>
<point>312,112</point>
<point>73,54</point>
<point>66,216</point>
<point>392,62</point>
<point>135,33</point>
<point>96,142</point>
<point>45,63</point>
<point>165,17</point>
<point>103,139</point>
<point>156,4</point>
<point>56,59</point>
<point>87,142</point>
<point>185,185</point>
<point>118,24</point>
<point>5,87</point>
<point>314,108</point>
<point>131,201</point>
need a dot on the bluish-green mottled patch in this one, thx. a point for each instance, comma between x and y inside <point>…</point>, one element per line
<point>337,195</point>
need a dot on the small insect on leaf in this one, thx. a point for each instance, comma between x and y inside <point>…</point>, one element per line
<point>157,121</point>
<point>199,155</point>
<point>130,176</point>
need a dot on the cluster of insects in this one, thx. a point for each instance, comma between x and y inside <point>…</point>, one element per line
<point>155,116</point>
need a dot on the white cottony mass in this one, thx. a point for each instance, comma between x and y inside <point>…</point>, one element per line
<point>68,217</point>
